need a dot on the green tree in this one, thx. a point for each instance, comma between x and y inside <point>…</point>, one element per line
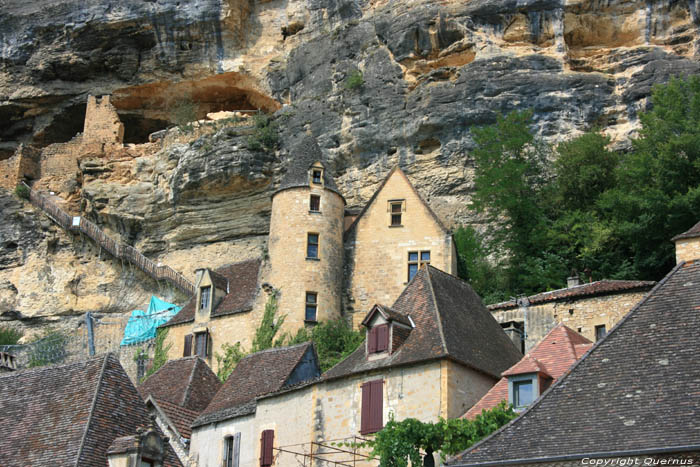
<point>160,353</point>
<point>334,340</point>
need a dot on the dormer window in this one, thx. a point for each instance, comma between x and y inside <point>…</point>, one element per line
<point>317,176</point>
<point>378,339</point>
<point>523,390</point>
<point>205,298</point>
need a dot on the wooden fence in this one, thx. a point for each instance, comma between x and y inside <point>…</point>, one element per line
<point>116,249</point>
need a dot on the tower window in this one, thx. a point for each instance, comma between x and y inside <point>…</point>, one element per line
<point>311,306</point>
<point>600,332</point>
<point>316,176</point>
<point>312,246</point>
<point>415,260</point>
<point>396,209</point>
<point>201,340</point>
<point>315,203</point>
<point>204,299</point>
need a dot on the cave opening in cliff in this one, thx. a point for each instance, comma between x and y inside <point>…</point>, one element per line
<point>151,107</point>
<point>63,126</point>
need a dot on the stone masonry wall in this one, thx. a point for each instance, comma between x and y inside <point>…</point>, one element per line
<point>581,315</point>
<point>102,122</point>
<point>464,388</point>
<point>687,249</point>
<point>377,254</point>
<point>291,272</point>
<point>23,164</point>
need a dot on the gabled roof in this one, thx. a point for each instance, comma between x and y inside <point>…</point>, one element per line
<point>186,382</point>
<point>305,154</point>
<point>450,322</point>
<point>69,414</point>
<point>395,170</point>
<point>220,281</point>
<point>693,232</point>
<point>178,418</point>
<point>388,314</point>
<point>553,356</point>
<point>591,289</point>
<point>636,391</point>
<point>255,375</point>
<point>242,280</point>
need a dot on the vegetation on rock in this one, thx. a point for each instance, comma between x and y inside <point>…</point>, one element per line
<point>160,353</point>
<point>22,191</point>
<point>265,135</point>
<point>354,80</point>
<point>9,336</point>
<point>48,349</point>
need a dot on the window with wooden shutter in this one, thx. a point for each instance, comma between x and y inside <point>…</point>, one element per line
<point>188,346</point>
<point>232,450</point>
<point>372,341</point>
<point>267,440</point>
<point>382,337</point>
<point>372,419</point>
<point>202,344</point>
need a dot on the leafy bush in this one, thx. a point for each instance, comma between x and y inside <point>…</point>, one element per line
<point>22,191</point>
<point>354,80</point>
<point>400,442</point>
<point>265,136</point>
<point>334,340</point>
<point>160,353</point>
<point>183,112</point>
<point>9,336</point>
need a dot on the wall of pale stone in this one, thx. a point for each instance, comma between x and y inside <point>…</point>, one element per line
<point>23,164</point>
<point>581,315</point>
<point>376,268</point>
<point>207,443</point>
<point>464,388</point>
<point>290,271</point>
<point>687,249</point>
<point>102,122</point>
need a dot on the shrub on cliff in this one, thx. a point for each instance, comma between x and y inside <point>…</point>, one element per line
<point>9,336</point>
<point>21,191</point>
<point>265,136</point>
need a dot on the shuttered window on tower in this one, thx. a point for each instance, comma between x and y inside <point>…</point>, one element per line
<point>372,407</point>
<point>267,439</point>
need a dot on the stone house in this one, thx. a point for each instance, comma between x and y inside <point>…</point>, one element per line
<point>76,414</point>
<point>590,309</point>
<point>522,383</point>
<point>316,269</point>
<point>631,400</point>
<point>175,395</point>
<point>434,353</point>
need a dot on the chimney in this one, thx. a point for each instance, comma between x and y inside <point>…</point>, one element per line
<point>688,244</point>
<point>572,281</point>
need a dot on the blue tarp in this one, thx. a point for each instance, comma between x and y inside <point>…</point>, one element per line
<point>142,325</point>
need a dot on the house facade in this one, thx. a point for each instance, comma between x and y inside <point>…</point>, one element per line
<point>434,353</point>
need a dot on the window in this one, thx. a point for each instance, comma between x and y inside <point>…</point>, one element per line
<point>523,393</point>
<point>232,450</point>
<point>204,300</point>
<point>600,332</point>
<point>201,344</point>
<point>395,208</point>
<point>188,346</point>
<point>315,203</point>
<point>415,260</point>
<point>372,407</point>
<point>140,366</point>
<point>146,463</point>
<point>316,175</point>
<point>311,306</point>
<point>312,246</point>
<point>378,339</point>
<point>267,440</point>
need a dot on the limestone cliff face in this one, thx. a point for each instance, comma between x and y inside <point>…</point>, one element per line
<point>430,70</point>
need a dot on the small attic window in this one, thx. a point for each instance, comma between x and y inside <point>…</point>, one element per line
<point>378,339</point>
<point>317,176</point>
<point>396,208</point>
<point>204,299</point>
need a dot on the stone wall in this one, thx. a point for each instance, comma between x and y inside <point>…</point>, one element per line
<point>687,249</point>
<point>463,388</point>
<point>22,165</point>
<point>291,272</point>
<point>376,269</point>
<point>102,122</point>
<point>582,315</point>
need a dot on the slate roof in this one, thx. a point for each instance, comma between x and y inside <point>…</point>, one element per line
<point>388,314</point>
<point>255,375</point>
<point>398,170</point>
<point>186,382</point>
<point>176,416</point>
<point>693,232</point>
<point>636,391</point>
<point>304,155</point>
<point>553,356</point>
<point>243,287</point>
<point>591,289</point>
<point>69,415</point>
<point>220,281</point>
<point>450,322</point>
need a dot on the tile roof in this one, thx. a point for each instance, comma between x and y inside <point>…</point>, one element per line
<point>450,322</point>
<point>553,355</point>
<point>388,314</point>
<point>603,287</point>
<point>255,375</point>
<point>305,154</point>
<point>69,414</point>
<point>693,232</point>
<point>186,382</point>
<point>637,389</point>
<point>220,281</point>
<point>243,286</point>
<point>124,444</point>
<point>397,170</point>
<point>176,416</point>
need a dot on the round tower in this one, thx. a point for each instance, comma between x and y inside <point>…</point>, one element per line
<point>306,240</point>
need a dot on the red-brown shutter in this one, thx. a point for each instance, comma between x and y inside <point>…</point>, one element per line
<point>377,405</point>
<point>365,414</point>
<point>188,346</point>
<point>267,440</point>
<point>372,342</point>
<point>382,337</point>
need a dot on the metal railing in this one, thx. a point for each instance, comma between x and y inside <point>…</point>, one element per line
<point>116,249</point>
